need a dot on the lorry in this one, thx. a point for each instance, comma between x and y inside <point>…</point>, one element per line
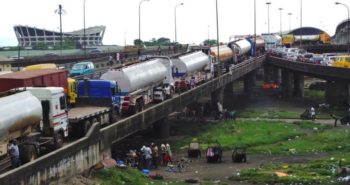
<point>192,66</point>
<point>142,83</point>
<point>36,118</point>
<point>34,76</point>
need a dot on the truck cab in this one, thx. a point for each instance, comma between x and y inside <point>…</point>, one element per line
<point>82,68</point>
<point>342,61</point>
<point>99,91</point>
<point>54,105</point>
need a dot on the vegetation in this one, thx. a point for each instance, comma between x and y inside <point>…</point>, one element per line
<point>314,94</point>
<point>321,171</point>
<point>251,113</point>
<point>133,177</point>
<point>243,133</point>
<point>210,42</point>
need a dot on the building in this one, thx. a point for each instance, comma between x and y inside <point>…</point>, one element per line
<point>30,36</point>
<point>341,33</point>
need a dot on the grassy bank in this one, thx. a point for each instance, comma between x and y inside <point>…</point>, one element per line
<point>134,177</point>
<point>242,133</point>
<point>252,113</point>
<point>322,171</point>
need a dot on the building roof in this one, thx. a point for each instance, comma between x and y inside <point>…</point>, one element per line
<point>306,31</point>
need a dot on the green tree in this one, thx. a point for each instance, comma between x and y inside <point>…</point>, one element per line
<point>210,42</point>
<point>138,42</point>
<point>163,41</point>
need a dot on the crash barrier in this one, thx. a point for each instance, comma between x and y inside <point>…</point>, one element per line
<point>76,157</point>
<point>63,163</point>
<point>315,70</point>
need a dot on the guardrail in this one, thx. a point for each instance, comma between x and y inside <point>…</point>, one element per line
<point>79,156</point>
<point>315,70</point>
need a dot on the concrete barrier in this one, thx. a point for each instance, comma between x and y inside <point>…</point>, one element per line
<point>61,164</point>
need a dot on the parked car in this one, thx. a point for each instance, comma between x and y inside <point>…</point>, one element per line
<point>82,68</point>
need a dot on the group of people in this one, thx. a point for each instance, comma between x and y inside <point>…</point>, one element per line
<point>149,156</point>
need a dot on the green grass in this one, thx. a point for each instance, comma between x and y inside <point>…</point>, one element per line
<point>251,113</point>
<point>321,171</point>
<point>314,94</point>
<point>315,142</point>
<point>134,177</point>
<point>243,133</point>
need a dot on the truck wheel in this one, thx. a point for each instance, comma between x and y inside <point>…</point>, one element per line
<point>28,153</point>
<point>86,127</point>
<point>58,140</point>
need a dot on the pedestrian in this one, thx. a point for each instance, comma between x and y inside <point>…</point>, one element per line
<point>148,156</point>
<point>117,57</point>
<point>168,149</point>
<point>312,113</point>
<point>192,82</point>
<point>143,156</point>
<point>110,60</point>
<point>220,110</point>
<point>159,50</point>
<point>155,155</point>
<point>14,154</point>
<point>163,151</point>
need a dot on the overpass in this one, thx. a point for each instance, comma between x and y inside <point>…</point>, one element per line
<point>80,155</point>
<point>291,76</point>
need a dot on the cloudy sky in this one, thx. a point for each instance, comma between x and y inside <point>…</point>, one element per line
<point>195,19</point>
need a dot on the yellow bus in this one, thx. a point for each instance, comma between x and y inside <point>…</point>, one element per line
<point>41,66</point>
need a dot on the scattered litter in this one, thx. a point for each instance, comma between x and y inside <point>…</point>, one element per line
<point>344,179</point>
<point>281,174</point>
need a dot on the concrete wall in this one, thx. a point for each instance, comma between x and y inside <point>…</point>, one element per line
<point>82,154</point>
<point>61,164</point>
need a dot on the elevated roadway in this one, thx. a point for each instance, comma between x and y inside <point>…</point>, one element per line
<point>82,154</point>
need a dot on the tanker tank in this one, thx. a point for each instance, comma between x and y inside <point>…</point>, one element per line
<point>241,47</point>
<point>19,111</point>
<point>190,63</point>
<point>226,53</point>
<point>138,76</point>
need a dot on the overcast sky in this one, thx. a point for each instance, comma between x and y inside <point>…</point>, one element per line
<point>195,19</point>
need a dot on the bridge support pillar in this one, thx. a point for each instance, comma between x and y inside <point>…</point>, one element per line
<point>298,85</point>
<point>287,83</point>
<point>228,94</point>
<point>249,83</point>
<point>337,93</point>
<point>161,128</point>
<point>268,73</point>
<point>277,75</point>
<point>217,96</point>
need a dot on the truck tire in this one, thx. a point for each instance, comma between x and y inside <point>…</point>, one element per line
<point>86,126</point>
<point>58,140</point>
<point>28,153</point>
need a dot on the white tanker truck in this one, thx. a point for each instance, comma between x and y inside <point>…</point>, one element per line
<point>36,118</point>
<point>142,83</point>
<point>194,66</point>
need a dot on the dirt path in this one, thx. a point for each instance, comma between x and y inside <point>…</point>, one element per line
<point>220,172</point>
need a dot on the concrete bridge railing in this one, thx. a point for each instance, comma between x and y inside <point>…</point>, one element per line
<point>78,156</point>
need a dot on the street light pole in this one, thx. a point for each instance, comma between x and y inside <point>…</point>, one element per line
<point>175,21</point>
<point>301,21</point>
<point>254,28</point>
<point>125,38</point>
<point>140,21</point>
<point>217,39</point>
<point>347,29</point>
<point>268,16</point>
<point>84,39</point>
<point>290,15</point>
<point>280,9</point>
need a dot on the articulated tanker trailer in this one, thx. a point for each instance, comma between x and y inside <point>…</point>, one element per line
<point>142,83</point>
<point>36,118</point>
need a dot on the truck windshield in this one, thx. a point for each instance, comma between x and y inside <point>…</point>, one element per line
<point>79,66</point>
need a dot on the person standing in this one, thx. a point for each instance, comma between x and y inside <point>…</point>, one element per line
<point>148,157</point>
<point>168,149</point>
<point>14,154</point>
<point>163,150</point>
<point>155,155</point>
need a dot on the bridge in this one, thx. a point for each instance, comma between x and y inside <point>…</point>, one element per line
<point>80,155</point>
<point>291,75</point>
